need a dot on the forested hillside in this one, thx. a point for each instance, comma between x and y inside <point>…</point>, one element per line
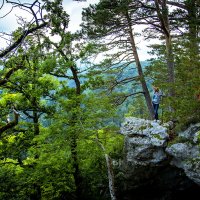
<point>60,112</point>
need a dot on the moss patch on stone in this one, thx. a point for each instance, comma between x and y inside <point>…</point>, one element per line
<point>178,140</point>
<point>157,136</point>
<point>142,128</point>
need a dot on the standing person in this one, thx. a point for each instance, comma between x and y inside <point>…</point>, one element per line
<point>156,101</point>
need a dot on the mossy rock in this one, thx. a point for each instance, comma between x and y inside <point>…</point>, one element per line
<point>157,136</point>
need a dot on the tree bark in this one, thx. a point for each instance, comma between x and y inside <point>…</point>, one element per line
<point>36,123</point>
<point>75,135</point>
<point>110,177</point>
<point>139,68</point>
<point>170,65</point>
<point>162,14</point>
<point>34,99</point>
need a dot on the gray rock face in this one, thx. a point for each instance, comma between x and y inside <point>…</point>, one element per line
<point>146,150</point>
<point>144,141</point>
<point>144,153</point>
<point>186,154</point>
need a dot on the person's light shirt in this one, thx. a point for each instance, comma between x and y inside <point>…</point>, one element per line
<point>156,97</point>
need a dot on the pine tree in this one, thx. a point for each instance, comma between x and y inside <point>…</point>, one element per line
<point>112,23</point>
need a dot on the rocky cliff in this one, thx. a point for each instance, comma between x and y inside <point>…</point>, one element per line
<point>154,163</point>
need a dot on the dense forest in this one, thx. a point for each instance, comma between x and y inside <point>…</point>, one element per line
<point>60,112</point>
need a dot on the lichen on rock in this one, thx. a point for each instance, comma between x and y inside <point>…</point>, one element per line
<point>186,154</point>
<point>147,146</point>
<point>144,141</point>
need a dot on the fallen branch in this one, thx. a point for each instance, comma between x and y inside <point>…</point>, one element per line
<point>110,171</point>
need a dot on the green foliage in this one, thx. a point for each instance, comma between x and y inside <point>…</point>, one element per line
<point>10,174</point>
<point>65,112</point>
<point>53,168</point>
<point>10,98</point>
<point>184,105</point>
<point>93,167</point>
<point>137,108</point>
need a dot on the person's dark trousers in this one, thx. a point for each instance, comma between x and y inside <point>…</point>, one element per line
<point>155,107</point>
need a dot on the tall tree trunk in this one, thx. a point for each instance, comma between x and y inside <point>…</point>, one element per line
<point>170,65</point>
<point>139,68</point>
<point>34,99</point>
<point>76,173</point>
<point>36,123</point>
<point>75,134</point>
<point>162,14</point>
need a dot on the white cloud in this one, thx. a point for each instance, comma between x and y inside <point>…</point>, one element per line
<point>74,9</point>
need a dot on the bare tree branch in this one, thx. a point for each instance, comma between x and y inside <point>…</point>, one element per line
<point>12,123</point>
<point>21,38</point>
<point>121,99</point>
<point>2,5</point>
<point>177,4</point>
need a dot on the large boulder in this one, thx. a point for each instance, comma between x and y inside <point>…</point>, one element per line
<point>185,152</point>
<point>152,162</point>
<point>145,142</point>
<point>144,151</point>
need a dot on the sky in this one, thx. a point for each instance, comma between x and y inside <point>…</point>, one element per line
<point>73,8</point>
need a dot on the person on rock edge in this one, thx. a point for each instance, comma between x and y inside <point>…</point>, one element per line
<point>156,101</point>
